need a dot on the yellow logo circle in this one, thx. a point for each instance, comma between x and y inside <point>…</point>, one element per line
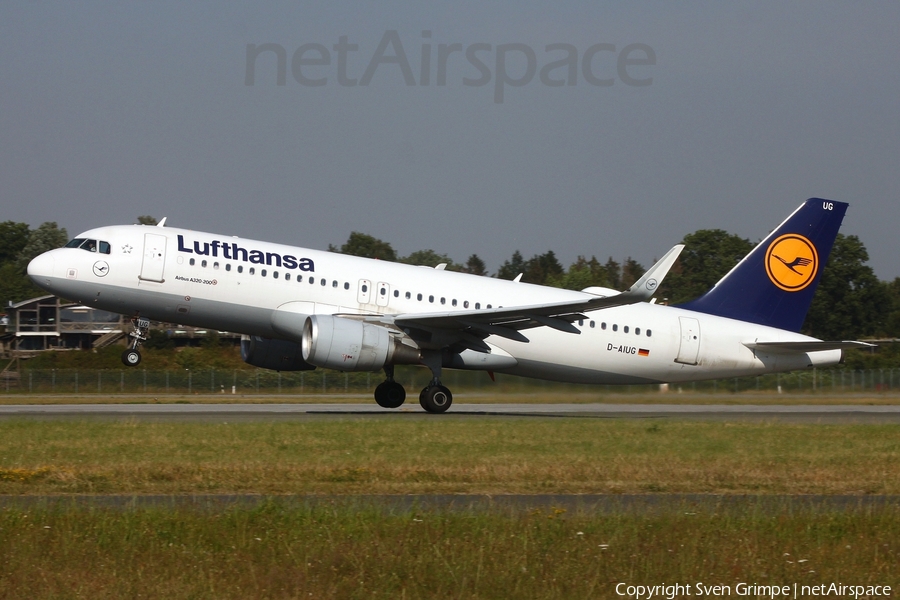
<point>792,262</point>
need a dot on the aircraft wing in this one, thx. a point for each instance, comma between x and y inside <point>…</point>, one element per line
<point>804,346</point>
<point>469,328</point>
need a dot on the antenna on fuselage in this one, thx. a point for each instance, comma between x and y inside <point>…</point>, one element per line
<point>162,223</point>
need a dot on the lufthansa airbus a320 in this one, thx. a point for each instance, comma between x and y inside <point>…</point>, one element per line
<point>299,309</point>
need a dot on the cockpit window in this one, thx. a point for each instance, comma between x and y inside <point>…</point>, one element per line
<point>89,245</point>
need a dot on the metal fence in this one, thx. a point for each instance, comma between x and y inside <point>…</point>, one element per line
<point>326,382</point>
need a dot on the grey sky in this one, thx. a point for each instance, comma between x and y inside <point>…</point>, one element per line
<point>109,110</point>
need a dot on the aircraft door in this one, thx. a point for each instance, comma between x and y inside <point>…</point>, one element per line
<point>689,349</point>
<point>384,293</point>
<point>364,292</point>
<point>154,261</point>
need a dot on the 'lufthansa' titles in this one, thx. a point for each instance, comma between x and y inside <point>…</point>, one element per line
<point>232,251</point>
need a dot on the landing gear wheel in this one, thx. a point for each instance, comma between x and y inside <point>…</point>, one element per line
<point>131,358</point>
<point>436,399</point>
<point>390,394</point>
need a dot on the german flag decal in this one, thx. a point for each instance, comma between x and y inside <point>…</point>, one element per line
<point>643,352</point>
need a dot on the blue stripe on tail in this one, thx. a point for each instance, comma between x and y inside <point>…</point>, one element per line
<point>774,284</point>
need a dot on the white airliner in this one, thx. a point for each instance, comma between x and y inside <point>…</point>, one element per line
<point>301,309</point>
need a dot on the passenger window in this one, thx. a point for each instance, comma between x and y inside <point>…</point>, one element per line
<point>465,304</point>
<point>263,272</point>
<point>382,291</point>
<point>287,276</point>
<point>203,263</point>
<point>625,329</point>
<point>443,301</point>
<point>346,286</point>
<point>477,305</point>
<point>104,247</point>
<point>615,327</point>
<point>454,302</point>
<point>227,266</point>
<point>637,331</point>
<point>365,288</point>
<point>274,274</point>
<point>581,322</point>
<point>396,293</point>
<point>649,333</point>
<point>603,326</point>
<point>252,271</point>
<point>592,324</point>
<point>240,268</point>
<point>324,283</point>
<point>419,297</point>
<point>216,266</point>
<point>334,283</point>
<point>488,306</point>
<point>408,295</point>
<point>191,262</point>
<point>312,280</point>
<point>431,299</point>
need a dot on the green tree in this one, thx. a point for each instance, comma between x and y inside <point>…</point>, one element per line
<point>708,255</point>
<point>892,325</point>
<point>585,273</point>
<point>632,270</point>
<point>613,273</point>
<point>13,238</point>
<point>543,269</point>
<point>15,285</point>
<point>46,237</point>
<point>475,266</point>
<point>361,244</point>
<point>511,268</point>
<point>850,301</point>
<point>147,220</point>
<point>429,258</point>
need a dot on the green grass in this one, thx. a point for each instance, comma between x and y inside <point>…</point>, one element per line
<point>279,550</point>
<point>426,455</point>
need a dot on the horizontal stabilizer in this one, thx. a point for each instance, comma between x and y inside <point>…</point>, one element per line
<point>804,346</point>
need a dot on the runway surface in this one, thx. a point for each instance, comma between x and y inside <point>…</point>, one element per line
<point>805,413</point>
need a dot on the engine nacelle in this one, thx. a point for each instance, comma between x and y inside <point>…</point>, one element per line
<point>348,345</point>
<point>277,355</point>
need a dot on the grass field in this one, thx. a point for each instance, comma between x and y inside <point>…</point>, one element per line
<point>473,455</point>
<point>344,548</point>
<point>279,551</point>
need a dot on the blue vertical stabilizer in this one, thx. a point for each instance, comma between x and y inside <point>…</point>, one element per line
<point>774,284</point>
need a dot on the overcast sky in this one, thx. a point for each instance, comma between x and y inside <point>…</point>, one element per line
<point>687,116</point>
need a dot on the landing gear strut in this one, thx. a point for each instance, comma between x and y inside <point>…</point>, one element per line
<point>435,398</point>
<point>132,356</point>
<point>389,393</point>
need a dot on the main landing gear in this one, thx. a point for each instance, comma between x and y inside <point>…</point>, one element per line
<point>132,356</point>
<point>434,398</point>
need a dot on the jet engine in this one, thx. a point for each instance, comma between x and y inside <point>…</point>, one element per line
<point>277,355</point>
<point>348,345</point>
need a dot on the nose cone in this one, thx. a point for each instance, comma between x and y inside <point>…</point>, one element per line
<point>40,269</point>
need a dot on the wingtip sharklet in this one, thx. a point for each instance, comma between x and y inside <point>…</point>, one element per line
<point>647,285</point>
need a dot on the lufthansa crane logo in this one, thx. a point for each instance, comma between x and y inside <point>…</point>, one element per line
<point>792,262</point>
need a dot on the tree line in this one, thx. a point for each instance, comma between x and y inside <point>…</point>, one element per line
<point>850,302</point>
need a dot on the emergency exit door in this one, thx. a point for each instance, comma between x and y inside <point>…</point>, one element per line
<point>154,261</point>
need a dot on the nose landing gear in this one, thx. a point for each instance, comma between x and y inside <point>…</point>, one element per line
<point>132,356</point>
